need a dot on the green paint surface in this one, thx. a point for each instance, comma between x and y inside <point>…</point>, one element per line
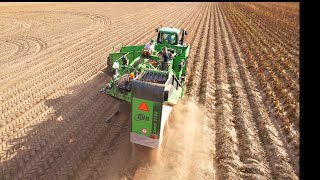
<point>142,119</point>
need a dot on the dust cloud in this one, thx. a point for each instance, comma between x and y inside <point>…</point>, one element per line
<point>185,152</point>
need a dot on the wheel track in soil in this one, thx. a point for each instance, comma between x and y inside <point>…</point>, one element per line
<point>39,116</point>
<point>87,142</point>
<point>96,163</point>
<point>9,49</point>
<point>35,79</point>
<point>14,29</point>
<point>25,50</point>
<point>39,61</point>
<point>269,136</point>
<point>59,43</point>
<point>72,47</point>
<point>292,136</point>
<point>29,171</point>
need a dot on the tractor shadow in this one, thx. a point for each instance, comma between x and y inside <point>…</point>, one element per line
<point>70,135</point>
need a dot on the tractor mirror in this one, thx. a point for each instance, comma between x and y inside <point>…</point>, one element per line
<point>157,30</point>
<point>185,33</point>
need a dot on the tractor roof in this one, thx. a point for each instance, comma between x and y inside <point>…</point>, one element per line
<point>169,30</point>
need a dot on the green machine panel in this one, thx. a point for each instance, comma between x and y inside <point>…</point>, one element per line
<point>145,117</point>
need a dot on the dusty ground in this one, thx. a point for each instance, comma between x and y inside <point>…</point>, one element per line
<point>238,120</point>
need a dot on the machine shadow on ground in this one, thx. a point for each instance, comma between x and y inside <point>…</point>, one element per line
<point>74,140</point>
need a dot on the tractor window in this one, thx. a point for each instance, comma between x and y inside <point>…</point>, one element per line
<point>168,38</point>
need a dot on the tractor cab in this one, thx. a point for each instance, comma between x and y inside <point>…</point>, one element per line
<point>171,36</point>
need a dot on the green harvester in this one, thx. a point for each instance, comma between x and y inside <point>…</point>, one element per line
<point>151,86</point>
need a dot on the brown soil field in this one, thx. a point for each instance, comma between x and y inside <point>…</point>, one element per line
<point>239,118</point>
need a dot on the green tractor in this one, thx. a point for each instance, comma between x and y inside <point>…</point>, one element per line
<point>151,86</point>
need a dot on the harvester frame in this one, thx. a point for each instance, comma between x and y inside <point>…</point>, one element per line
<point>151,89</point>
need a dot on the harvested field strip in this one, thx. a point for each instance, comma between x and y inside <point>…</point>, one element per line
<point>252,155</point>
<point>199,53</point>
<point>266,127</point>
<point>280,88</point>
<point>286,20</point>
<point>270,26</point>
<point>192,62</point>
<point>288,123</point>
<point>288,62</point>
<point>207,43</point>
<point>292,76</point>
<point>227,158</point>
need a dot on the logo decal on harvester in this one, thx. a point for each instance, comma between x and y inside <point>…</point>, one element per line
<point>144,131</point>
<point>141,117</point>
<point>143,107</point>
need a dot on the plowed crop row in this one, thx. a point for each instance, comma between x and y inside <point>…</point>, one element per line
<point>243,72</point>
